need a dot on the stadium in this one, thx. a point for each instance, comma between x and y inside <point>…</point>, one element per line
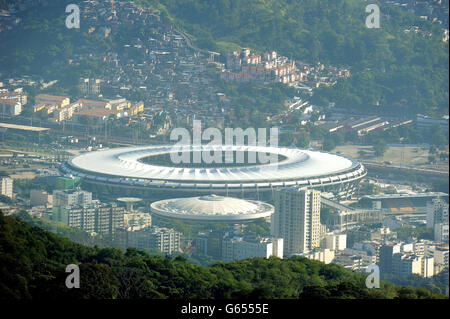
<point>210,208</point>
<point>147,172</point>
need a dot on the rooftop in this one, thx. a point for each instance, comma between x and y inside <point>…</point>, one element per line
<point>212,207</point>
<point>24,127</point>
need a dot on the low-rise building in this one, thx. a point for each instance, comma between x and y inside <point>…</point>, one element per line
<point>10,107</point>
<point>163,239</point>
<point>40,197</point>
<point>58,101</point>
<point>236,248</point>
<point>334,241</point>
<point>95,115</point>
<point>324,255</point>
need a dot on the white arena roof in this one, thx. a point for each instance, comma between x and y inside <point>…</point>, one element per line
<point>125,162</point>
<point>123,168</point>
<point>211,208</point>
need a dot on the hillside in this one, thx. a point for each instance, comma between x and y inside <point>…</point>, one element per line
<point>33,265</point>
<point>405,71</point>
<point>388,66</point>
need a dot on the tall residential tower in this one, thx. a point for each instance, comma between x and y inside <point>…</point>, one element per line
<point>297,219</point>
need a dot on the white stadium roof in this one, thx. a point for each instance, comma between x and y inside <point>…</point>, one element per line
<point>122,171</point>
<point>299,164</point>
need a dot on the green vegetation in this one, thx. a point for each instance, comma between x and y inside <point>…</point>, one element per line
<point>6,199</point>
<point>74,234</point>
<point>33,263</point>
<point>398,70</point>
<point>256,99</point>
<point>380,148</point>
<point>416,281</point>
<point>419,232</point>
<point>259,227</point>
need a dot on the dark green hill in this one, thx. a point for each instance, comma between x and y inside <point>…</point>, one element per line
<point>33,263</point>
<point>389,66</point>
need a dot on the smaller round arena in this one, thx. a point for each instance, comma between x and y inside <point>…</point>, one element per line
<point>210,208</point>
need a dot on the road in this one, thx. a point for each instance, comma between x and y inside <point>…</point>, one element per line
<point>435,171</point>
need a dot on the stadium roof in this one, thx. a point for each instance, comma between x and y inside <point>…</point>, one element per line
<point>211,208</point>
<point>299,164</point>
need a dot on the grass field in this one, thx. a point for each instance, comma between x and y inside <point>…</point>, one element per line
<point>395,154</point>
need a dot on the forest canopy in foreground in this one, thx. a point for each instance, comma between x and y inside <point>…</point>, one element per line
<point>33,263</point>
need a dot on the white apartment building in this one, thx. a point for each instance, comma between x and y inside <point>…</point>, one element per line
<point>163,239</point>
<point>437,212</point>
<point>6,186</point>
<point>297,219</point>
<point>10,107</point>
<point>324,255</point>
<point>440,259</point>
<point>427,267</point>
<point>441,232</point>
<point>238,248</point>
<point>334,241</point>
<point>71,197</point>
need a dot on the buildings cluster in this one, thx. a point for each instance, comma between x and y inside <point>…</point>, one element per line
<point>428,122</point>
<point>229,245</point>
<point>76,208</point>
<point>362,125</point>
<point>160,66</point>
<point>166,240</point>
<point>11,102</point>
<point>297,221</point>
<point>295,230</point>
<point>247,66</point>
<point>120,228</point>
<point>59,108</point>
<point>427,258</point>
<point>419,258</point>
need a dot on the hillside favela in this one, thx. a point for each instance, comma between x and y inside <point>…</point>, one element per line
<point>224,150</point>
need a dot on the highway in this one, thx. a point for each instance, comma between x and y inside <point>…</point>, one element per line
<point>434,171</point>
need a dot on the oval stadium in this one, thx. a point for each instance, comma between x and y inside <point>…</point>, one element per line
<point>148,172</point>
<point>210,208</point>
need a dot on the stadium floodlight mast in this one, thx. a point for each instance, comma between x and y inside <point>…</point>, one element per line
<point>211,153</point>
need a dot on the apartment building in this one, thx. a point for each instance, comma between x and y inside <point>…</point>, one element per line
<point>6,186</point>
<point>236,248</point>
<point>163,239</point>
<point>297,219</point>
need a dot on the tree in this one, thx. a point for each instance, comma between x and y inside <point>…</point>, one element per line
<point>431,159</point>
<point>380,148</point>
<point>328,144</point>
